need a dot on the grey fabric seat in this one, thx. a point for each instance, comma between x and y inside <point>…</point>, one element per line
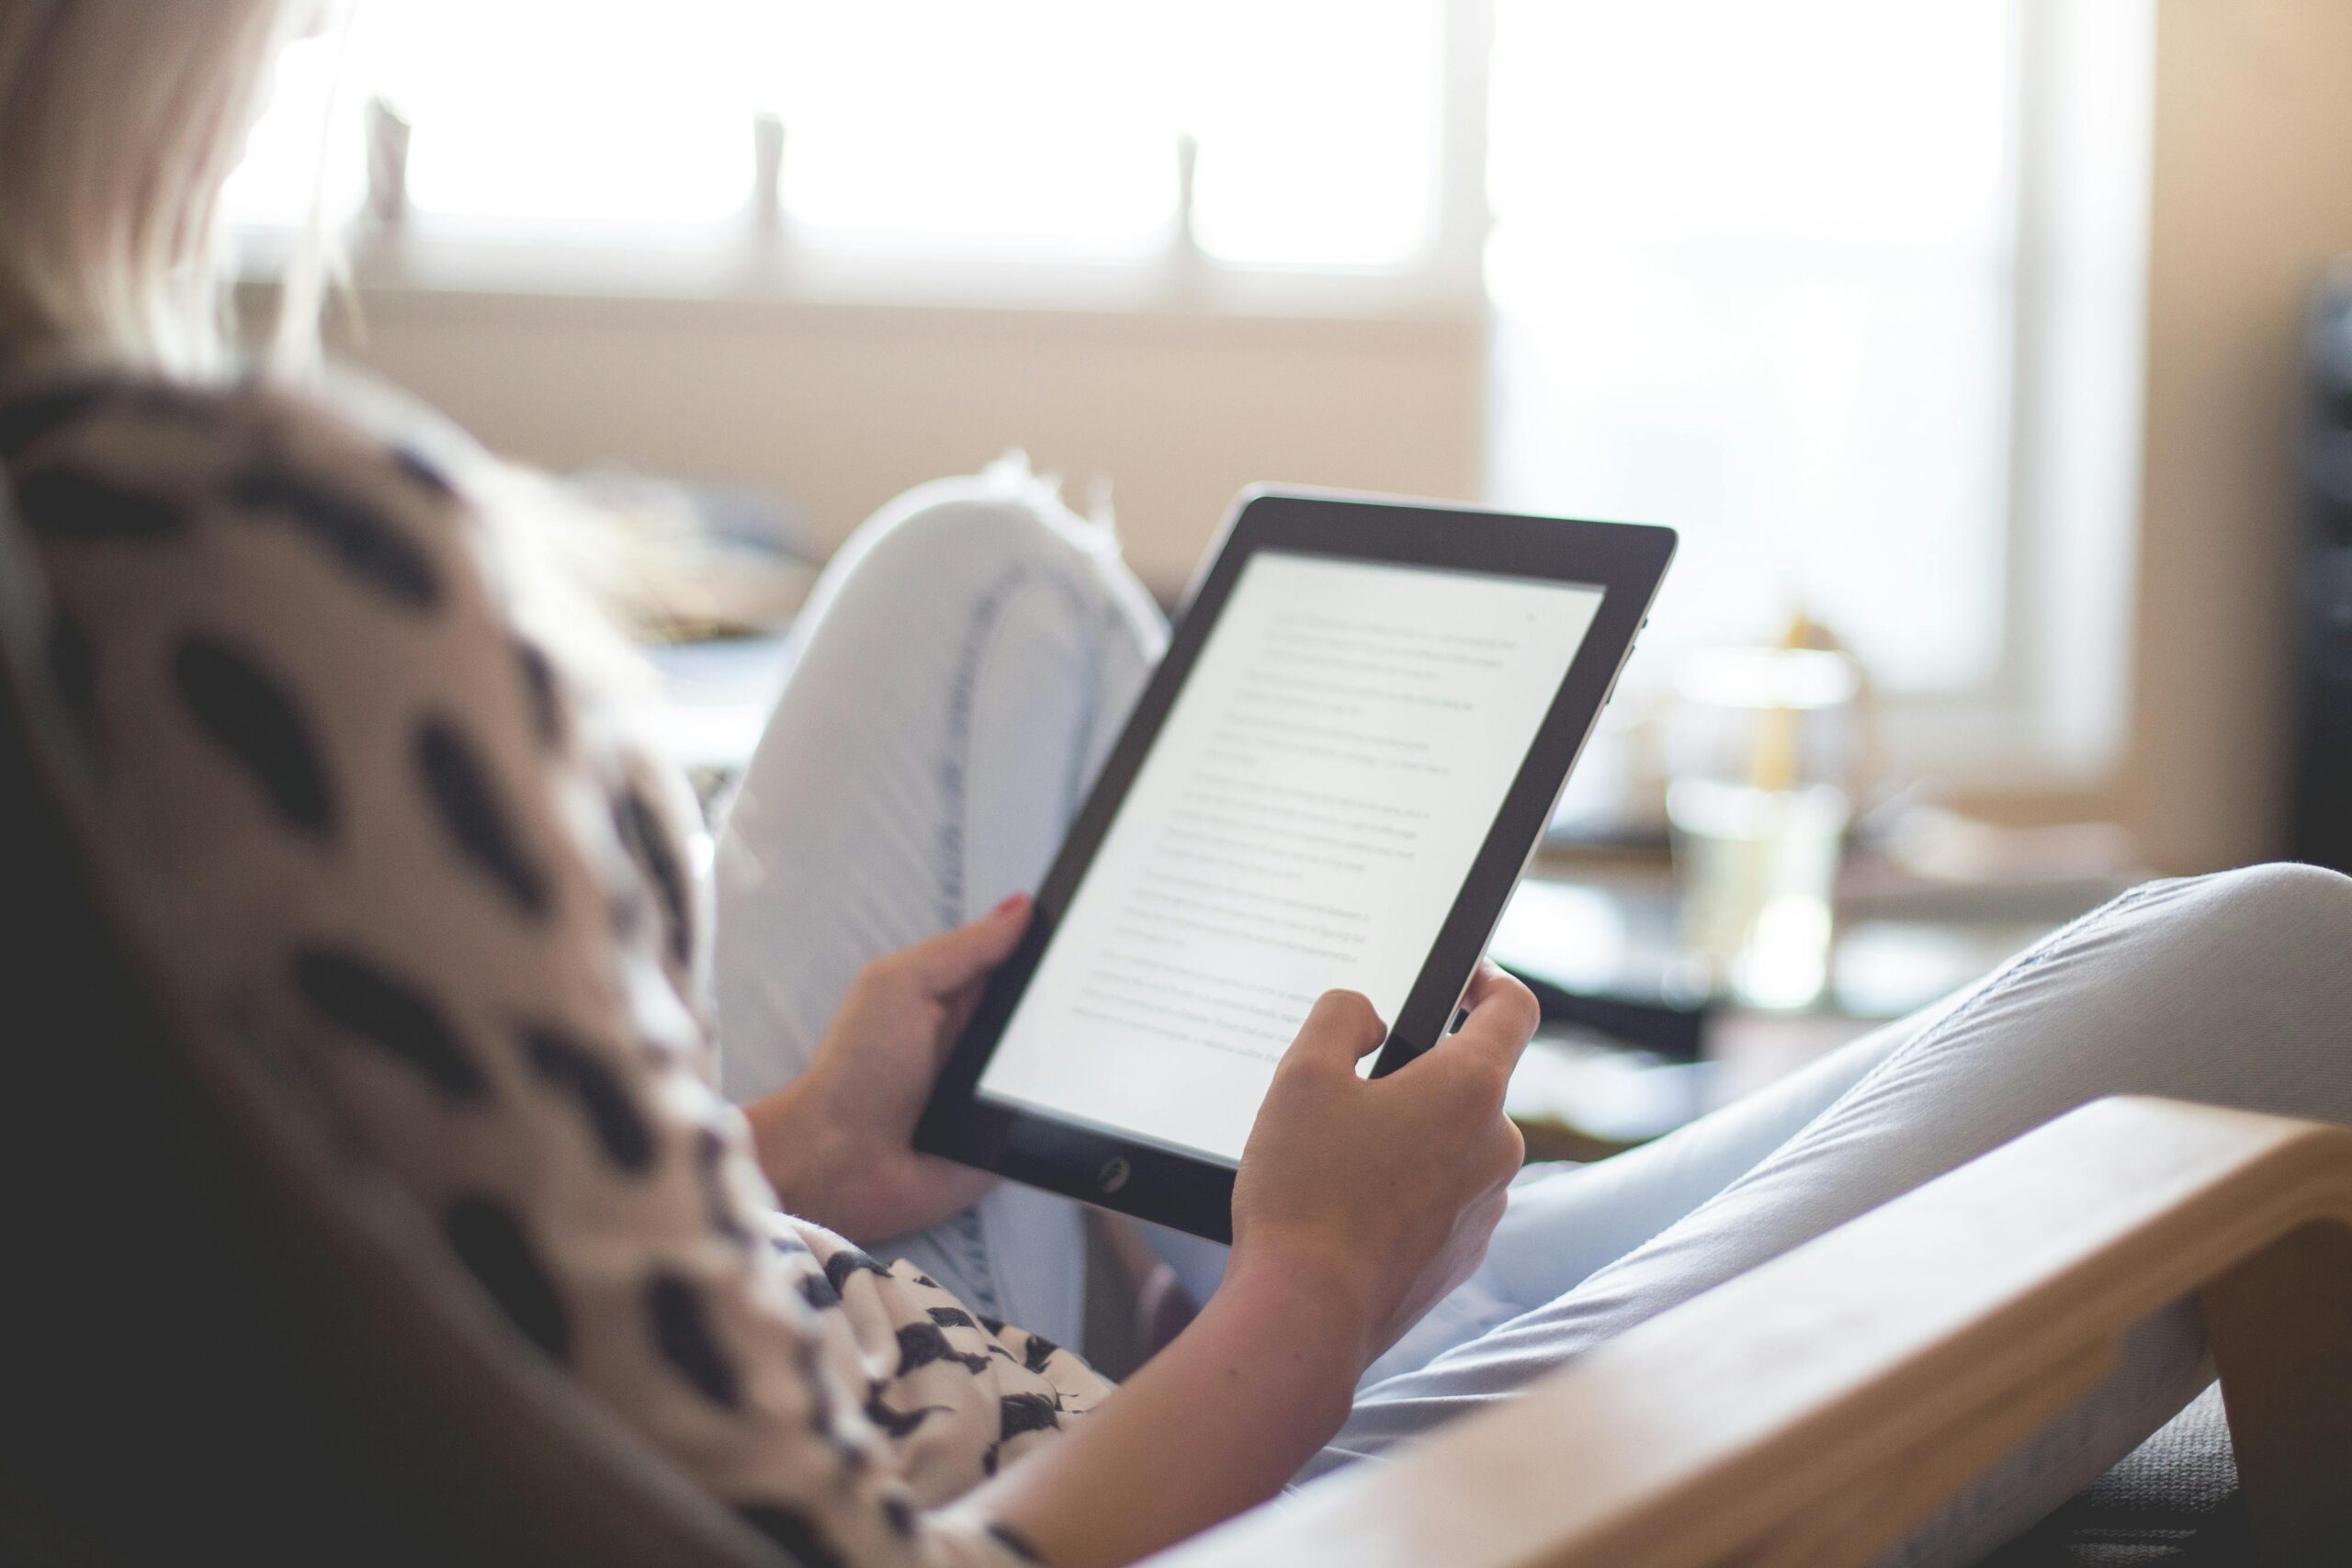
<point>225,1332</point>
<point>2173,1500</point>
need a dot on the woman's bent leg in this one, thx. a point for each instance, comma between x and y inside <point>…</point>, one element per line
<point>960,671</point>
<point>1564,1224</point>
<point>2230,989</point>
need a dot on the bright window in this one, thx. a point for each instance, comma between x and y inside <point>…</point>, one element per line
<point>1040,129</point>
<point>1753,267</point>
<point>284,162</point>
<point>1753,271</point>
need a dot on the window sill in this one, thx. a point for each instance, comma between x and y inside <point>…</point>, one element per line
<point>700,271</point>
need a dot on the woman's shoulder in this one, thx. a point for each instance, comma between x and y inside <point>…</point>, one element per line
<point>100,451</point>
<point>365,549</point>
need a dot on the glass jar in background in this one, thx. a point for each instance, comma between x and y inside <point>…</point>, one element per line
<point>1760,750</point>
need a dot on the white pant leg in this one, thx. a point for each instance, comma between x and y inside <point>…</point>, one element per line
<point>2230,989</point>
<point>1564,1224</point>
<point>961,670</point>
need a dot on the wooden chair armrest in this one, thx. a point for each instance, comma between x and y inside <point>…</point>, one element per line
<point>1817,1408</point>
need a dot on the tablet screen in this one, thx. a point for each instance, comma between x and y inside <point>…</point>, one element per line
<point>1304,820</point>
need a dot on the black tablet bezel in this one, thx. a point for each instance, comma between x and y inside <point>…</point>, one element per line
<point>1194,1192</point>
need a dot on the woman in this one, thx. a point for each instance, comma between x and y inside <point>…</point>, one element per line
<point>348,757</point>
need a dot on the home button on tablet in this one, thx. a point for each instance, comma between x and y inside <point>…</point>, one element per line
<point>1114,1174</point>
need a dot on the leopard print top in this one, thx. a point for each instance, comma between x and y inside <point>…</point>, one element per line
<point>392,841</point>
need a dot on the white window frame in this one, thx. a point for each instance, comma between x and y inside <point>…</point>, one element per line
<point>2052,717</point>
<point>2051,720</point>
<point>756,258</point>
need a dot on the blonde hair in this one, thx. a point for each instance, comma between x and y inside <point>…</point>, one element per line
<point>119,122</point>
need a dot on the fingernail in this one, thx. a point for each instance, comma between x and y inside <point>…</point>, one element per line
<point>1012,901</point>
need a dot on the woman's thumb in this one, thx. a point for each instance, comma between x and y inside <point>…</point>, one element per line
<point>955,958</point>
<point>1342,1025</point>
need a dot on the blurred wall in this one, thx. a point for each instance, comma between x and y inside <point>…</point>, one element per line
<point>839,407</point>
<point>2252,194</point>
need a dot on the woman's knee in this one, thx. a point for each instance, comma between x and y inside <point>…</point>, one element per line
<point>2231,940</point>
<point>2231,988</point>
<point>963,525</point>
<point>2299,893</point>
<point>963,575</point>
<point>2218,988</point>
<point>2283,906</point>
<point>972,535</point>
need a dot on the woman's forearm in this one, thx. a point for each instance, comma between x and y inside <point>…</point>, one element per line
<point>801,1153</point>
<point>1213,1425</point>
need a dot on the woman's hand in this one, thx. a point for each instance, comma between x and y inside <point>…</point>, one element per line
<point>837,1141</point>
<point>1384,1190</point>
<point>1359,1204</point>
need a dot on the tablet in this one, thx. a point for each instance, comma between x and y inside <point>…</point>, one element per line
<point>1333,780</point>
